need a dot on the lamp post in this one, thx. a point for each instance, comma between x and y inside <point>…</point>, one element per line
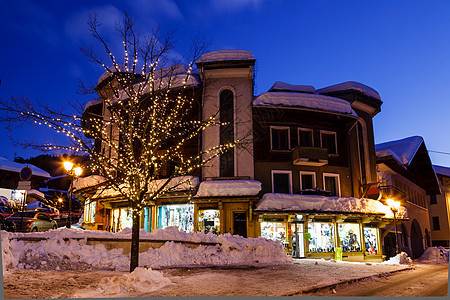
<point>394,205</point>
<point>72,172</point>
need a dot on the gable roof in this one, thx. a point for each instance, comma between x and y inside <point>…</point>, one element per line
<point>409,157</point>
<point>403,150</point>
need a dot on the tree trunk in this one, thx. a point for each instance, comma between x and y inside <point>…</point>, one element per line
<point>134,262</point>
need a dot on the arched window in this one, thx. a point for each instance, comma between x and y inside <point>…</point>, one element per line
<point>227,132</point>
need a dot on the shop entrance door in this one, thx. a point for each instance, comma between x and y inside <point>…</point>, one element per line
<point>240,223</point>
<point>301,240</point>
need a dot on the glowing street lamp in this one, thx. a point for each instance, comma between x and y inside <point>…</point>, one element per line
<point>72,172</point>
<point>394,206</point>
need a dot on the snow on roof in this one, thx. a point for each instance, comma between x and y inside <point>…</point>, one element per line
<point>224,188</point>
<point>351,85</point>
<point>176,184</point>
<point>294,202</point>
<point>286,87</point>
<point>89,181</point>
<point>442,170</point>
<point>11,166</point>
<point>93,102</point>
<point>110,71</point>
<point>36,193</point>
<point>403,150</point>
<point>226,55</point>
<point>310,101</point>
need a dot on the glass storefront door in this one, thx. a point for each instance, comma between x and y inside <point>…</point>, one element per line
<point>301,240</point>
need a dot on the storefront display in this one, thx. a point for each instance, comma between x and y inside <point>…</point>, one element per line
<point>322,237</point>
<point>89,211</point>
<point>122,218</point>
<point>300,251</point>
<point>209,221</point>
<point>274,231</point>
<point>349,236</point>
<point>180,215</point>
<point>371,240</point>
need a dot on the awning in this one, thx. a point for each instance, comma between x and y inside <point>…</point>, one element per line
<point>314,203</point>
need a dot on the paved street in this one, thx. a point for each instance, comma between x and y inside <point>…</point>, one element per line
<point>424,281</point>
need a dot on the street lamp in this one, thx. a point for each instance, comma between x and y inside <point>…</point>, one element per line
<point>72,172</point>
<point>394,206</point>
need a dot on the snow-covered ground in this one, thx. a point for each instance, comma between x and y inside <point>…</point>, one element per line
<point>206,268</point>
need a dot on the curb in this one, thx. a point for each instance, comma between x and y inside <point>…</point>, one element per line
<point>340,283</point>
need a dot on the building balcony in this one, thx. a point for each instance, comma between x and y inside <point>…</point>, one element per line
<point>309,156</point>
<point>392,192</point>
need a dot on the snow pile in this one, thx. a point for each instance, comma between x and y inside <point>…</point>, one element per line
<point>435,255</point>
<point>305,100</point>
<point>294,202</point>
<point>141,280</point>
<point>55,253</point>
<point>400,259</point>
<point>222,188</point>
<point>351,85</point>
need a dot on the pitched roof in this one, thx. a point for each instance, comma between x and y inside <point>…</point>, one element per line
<point>442,170</point>
<point>402,150</point>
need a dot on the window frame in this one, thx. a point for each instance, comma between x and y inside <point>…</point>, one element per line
<point>435,221</point>
<point>338,183</point>
<point>272,172</point>
<point>308,173</point>
<point>288,137</point>
<point>433,202</point>
<point>308,130</point>
<point>335,140</point>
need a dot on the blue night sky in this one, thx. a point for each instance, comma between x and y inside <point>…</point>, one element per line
<point>399,48</point>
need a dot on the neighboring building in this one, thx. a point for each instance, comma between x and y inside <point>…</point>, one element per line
<point>406,174</point>
<point>304,173</point>
<point>10,178</point>
<point>439,209</point>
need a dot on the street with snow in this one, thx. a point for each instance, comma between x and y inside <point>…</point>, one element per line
<point>63,265</point>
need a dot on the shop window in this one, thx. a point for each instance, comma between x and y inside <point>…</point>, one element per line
<point>329,141</point>
<point>279,138</point>
<point>371,240</point>
<point>209,221</point>
<point>322,237</point>
<point>179,215</point>
<point>282,182</point>
<point>436,225</point>
<point>349,237</point>
<point>89,212</point>
<point>331,183</point>
<point>433,199</point>
<point>305,137</point>
<point>274,231</point>
<point>307,180</point>
<point>122,218</point>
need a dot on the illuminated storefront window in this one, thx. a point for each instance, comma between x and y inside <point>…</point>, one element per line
<point>180,215</point>
<point>301,240</point>
<point>322,239</point>
<point>371,240</point>
<point>89,212</point>
<point>274,231</point>
<point>209,221</point>
<point>349,237</point>
<point>122,218</point>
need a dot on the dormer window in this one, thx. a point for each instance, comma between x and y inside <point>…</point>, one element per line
<point>328,140</point>
<point>279,138</point>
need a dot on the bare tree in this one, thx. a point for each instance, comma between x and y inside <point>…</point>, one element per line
<point>145,140</point>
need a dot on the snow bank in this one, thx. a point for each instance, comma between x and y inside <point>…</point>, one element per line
<point>294,202</point>
<point>223,188</point>
<point>141,280</point>
<point>400,259</point>
<point>54,253</point>
<point>435,255</point>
